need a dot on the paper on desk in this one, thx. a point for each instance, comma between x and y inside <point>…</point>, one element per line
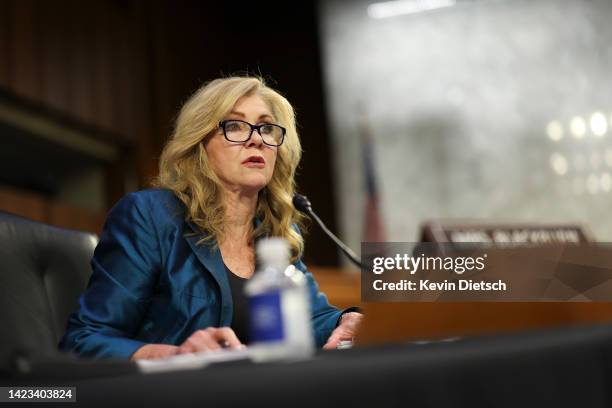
<point>191,361</point>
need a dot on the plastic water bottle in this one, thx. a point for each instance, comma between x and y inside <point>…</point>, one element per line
<point>280,323</point>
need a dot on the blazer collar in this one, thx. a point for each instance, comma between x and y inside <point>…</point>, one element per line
<point>210,256</point>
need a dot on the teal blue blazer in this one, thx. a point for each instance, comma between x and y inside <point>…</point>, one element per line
<point>151,283</point>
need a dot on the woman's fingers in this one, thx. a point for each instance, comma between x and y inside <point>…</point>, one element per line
<point>154,351</point>
<point>201,340</point>
<point>209,339</point>
<point>333,340</point>
<point>226,337</point>
<point>345,331</point>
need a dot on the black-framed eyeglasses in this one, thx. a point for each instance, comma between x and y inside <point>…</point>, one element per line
<point>240,131</point>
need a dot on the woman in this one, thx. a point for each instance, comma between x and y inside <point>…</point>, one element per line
<point>171,262</point>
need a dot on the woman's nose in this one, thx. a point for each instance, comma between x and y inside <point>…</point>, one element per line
<point>255,140</point>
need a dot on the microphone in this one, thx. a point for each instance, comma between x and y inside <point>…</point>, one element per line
<point>302,204</point>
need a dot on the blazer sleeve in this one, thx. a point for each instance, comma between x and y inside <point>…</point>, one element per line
<point>125,266</point>
<point>325,317</point>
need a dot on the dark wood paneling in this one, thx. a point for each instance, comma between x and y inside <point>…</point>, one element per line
<point>80,69</point>
<point>39,208</point>
<point>103,67</point>
<point>5,30</point>
<point>123,76</point>
<point>22,203</point>
<point>161,71</point>
<point>142,94</point>
<point>69,216</point>
<point>25,49</point>
<point>55,55</point>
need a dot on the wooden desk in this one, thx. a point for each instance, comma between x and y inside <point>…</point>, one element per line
<point>387,322</point>
<point>342,287</point>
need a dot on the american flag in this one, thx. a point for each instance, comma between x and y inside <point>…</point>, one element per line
<point>373,227</point>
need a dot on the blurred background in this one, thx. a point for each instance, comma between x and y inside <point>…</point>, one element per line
<point>408,110</point>
<point>495,111</point>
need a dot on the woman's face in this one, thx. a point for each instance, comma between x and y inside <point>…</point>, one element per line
<point>244,167</point>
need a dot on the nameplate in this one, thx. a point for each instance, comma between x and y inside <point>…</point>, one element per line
<point>516,234</point>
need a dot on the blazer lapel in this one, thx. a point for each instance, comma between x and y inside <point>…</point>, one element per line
<point>211,259</point>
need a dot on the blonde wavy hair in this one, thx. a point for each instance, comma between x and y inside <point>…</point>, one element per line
<point>184,167</point>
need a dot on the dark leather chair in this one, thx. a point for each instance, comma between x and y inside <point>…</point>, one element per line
<point>43,270</point>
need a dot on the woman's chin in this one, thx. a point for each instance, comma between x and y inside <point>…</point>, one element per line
<point>254,184</point>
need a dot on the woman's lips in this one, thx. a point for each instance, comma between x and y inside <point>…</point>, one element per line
<point>257,165</point>
<point>255,162</point>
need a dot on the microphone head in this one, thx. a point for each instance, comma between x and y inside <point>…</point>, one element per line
<point>301,203</point>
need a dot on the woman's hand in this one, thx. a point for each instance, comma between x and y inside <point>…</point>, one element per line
<point>209,339</point>
<point>154,351</point>
<point>212,338</point>
<point>346,330</point>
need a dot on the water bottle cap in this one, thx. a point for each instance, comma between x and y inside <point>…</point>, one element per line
<point>273,251</point>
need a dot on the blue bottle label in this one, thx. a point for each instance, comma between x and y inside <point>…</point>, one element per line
<point>266,317</point>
